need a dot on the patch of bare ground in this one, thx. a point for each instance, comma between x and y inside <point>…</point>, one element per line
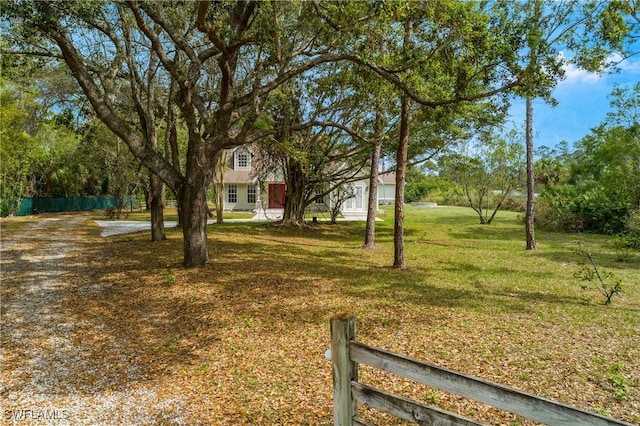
<point>59,367</point>
<point>114,331</point>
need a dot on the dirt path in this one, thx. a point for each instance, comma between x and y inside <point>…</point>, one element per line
<point>51,371</point>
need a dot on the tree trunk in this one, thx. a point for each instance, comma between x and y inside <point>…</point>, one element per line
<point>370,230</point>
<point>294,202</point>
<point>219,192</point>
<point>171,142</point>
<point>530,211</point>
<point>218,185</point>
<point>401,168</point>
<point>156,195</point>
<point>477,209</point>
<point>293,212</point>
<point>193,205</point>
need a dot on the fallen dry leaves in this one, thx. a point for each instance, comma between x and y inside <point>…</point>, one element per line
<point>242,340</point>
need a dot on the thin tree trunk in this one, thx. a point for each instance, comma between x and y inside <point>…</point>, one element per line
<point>530,211</point>
<point>157,208</point>
<point>171,140</point>
<point>401,169</point>
<point>156,188</point>
<point>218,185</point>
<point>219,201</point>
<point>370,230</point>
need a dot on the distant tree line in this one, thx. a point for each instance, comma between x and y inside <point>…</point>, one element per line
<point>596,186</point>
<point>593,186</point>
<point>48,151</point>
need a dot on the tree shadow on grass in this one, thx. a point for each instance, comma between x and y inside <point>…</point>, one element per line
<point>139,314</point>
<point>605,260</point>
<point>475,291</point>
<point>136,317</point>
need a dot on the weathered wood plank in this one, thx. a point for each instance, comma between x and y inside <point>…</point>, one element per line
<point>407,409</point>
<point>343,330</point>
<point>493,394</point>
<point>357,421</point>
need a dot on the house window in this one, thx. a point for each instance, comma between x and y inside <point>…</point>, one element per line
<point>243,160</point>
<point>251,194</point>
<point>232,193</point>
<point>319,196</point>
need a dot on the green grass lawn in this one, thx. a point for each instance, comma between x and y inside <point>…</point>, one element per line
<point>243,338</point>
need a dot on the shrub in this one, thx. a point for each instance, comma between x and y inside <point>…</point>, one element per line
<point>632,229</point>
<point>580,208</point>
<point>515,203</point>
<point>9,207</point>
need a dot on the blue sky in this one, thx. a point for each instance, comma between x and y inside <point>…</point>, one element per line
<point>583,103</point>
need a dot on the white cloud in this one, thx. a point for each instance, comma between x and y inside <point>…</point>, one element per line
<point>629,65</point>
<point>618,65</point>
<point>573,74</point>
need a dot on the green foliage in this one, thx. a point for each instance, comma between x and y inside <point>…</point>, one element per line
<point>583,207</point>
<point>60,171</point>
<point>632,228</point>
<point>170,277</point>
<point>597,188</point>
<point>44,150</point>
<point>619,381</point>
<point>420,187</point>
<point>45,155</point>
<point>433,397</point>
<point>18,149</point>
<point>623,249</point>
<point>487,174</point>
<point>549,171</point>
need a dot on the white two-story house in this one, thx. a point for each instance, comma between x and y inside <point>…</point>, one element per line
<point>242,191</point>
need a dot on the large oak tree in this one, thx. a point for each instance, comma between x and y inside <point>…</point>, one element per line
<point>223,59</point>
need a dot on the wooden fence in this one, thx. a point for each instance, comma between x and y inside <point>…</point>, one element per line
<point>346,354</point>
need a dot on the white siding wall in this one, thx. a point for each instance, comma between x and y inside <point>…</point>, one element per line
<point>386,193</point>
<point>242,202</point>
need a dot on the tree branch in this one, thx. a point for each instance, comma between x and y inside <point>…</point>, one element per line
<point>147,156</point>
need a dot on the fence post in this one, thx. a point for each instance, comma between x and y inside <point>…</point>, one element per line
<point>343,330</point>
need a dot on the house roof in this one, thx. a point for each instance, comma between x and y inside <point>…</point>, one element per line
<point>238,176</point>
<point>387,177</point>
<point>249,176</point>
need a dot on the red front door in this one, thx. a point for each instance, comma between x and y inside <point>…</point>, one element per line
<point>276,195</point>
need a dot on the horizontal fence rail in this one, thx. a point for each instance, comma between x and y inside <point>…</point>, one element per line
<point>407,409</point>
<point>347,354</point>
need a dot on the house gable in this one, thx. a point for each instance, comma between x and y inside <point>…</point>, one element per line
<point>241,161</point>
<point>238,166</point>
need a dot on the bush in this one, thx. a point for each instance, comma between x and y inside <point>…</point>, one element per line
<point>4,208</point>
<point>453,199</point>
<point>9,207</point>
<point>632,229</point>
<point>420,188</point>
<point>584,208</point>
<point>515,203</point>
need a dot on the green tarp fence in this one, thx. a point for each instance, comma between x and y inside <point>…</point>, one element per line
<point>43,205</point>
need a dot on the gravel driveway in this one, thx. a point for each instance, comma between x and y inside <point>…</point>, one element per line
<point>51,372</point>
